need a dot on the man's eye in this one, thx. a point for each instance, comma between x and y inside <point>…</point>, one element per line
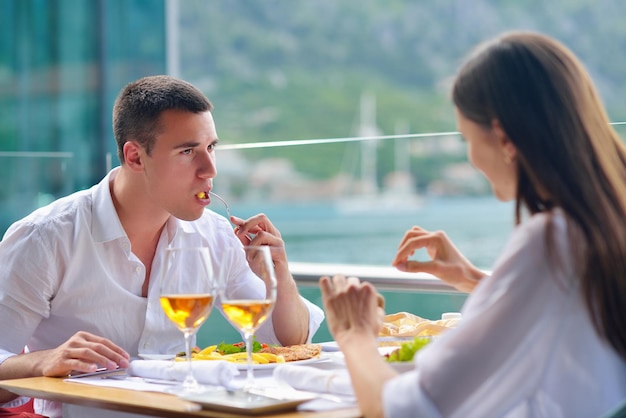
<point>211,147</point>
<point>187,151</point>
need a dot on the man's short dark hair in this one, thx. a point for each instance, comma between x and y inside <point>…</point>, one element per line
<point>139,105</point>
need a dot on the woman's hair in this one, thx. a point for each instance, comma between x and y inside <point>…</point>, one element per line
<point>568,155</point>
<point>139,105</point>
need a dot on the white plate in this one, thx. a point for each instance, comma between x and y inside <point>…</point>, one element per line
<point>330,346</point>
<point>399,366</point>
<point>244,366</point>
<point>338,355</point>
<point>402,366</point>
<point>243,402</point>
<point>157,356</point>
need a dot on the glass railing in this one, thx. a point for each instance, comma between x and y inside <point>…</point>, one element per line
<point>351,220</point>
<point>345,217</point>
<point>325,236</point>
<point>373,189</point>
<point>31,180</point>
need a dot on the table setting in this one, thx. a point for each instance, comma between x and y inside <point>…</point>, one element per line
<point>241,384</point>
<point>316,386</point>
<point>246,382</point>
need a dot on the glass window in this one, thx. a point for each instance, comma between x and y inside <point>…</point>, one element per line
<point>62,64</point>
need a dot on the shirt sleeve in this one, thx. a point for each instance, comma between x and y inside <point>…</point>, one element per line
<point>15,403</point>
<point>26,286</point>
<point>481,367</point>
<point>397,405</point>
<point>18,401</point>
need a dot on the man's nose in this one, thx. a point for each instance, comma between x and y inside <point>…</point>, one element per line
<point>207,167</point>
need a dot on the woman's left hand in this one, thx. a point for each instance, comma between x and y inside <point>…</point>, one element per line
<point>352,307</point>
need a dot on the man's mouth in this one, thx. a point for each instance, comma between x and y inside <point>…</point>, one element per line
<point>202,195</point>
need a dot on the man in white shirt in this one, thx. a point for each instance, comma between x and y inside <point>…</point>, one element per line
<point>78,283</point>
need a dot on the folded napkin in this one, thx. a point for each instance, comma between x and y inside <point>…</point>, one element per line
<point>315,380</point>
<point>217,372</point>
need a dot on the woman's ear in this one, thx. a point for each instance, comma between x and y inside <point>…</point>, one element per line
<point>133,154</point>
<point>509,151</point>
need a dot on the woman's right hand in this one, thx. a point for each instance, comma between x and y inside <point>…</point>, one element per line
<point>446,261</point>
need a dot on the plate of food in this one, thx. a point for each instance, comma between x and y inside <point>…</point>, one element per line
<point>263,356</point>
<point>401,358</point>
<point>261,366</point>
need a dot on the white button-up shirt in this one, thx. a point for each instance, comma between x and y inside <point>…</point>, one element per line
<point>525,348</point>
<point>69,267</point>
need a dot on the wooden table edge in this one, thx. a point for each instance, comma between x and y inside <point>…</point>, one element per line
<point>138,402</point>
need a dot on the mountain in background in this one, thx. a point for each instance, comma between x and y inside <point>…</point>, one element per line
<point>284,70</point>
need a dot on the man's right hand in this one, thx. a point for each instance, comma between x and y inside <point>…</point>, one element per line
<point>83,352</point>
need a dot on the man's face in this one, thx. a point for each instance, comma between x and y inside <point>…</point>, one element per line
<point>182,163</point>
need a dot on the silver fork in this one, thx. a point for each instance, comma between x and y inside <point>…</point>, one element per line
<point>221,199</point>
<point>225,204</point>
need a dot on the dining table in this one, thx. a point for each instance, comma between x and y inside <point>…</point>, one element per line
<point>150,403</point>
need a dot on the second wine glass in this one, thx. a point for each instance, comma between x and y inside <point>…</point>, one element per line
<point>248,313</point>
<point>188,289</point>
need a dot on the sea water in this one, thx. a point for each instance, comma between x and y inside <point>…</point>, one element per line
<point>319,233</point>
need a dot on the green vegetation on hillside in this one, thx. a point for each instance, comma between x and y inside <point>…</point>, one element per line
<point>281,70</point>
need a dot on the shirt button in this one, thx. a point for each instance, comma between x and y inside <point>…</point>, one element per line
<point>138,269</point>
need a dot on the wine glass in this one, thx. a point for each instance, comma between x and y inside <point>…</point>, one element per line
<point>249,312</point>
<point>187,293</point>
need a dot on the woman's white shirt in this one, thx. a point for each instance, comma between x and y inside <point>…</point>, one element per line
<point>526,346</point>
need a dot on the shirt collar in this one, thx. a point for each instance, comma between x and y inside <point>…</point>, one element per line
<point>105,224</point>
<point>179,229</point>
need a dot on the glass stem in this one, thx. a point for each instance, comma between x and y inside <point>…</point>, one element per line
<point>250,373</point>
<point>190,380</point>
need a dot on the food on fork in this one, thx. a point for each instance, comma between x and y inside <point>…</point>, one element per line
<point>202,195</point>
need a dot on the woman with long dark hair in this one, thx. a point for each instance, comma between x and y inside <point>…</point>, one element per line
<point>544,335</point>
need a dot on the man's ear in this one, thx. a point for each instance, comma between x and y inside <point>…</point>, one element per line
<point>509,151</point>
<point>133,155</point>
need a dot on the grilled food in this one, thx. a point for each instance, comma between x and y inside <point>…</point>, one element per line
<point>295,352</point>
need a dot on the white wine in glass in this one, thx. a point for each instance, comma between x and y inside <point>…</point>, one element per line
<point>187,294</point>
<point>247,314</point>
